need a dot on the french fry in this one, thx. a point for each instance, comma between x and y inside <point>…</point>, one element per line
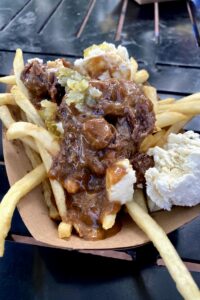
<point>8,120</point>
<point>6,116</point>
<point>166,119</point>
<point>47,191</point>
<point>183,279</point>
<point>166,101</point>
<point>152,140</point>
<point>23,129</point>
<point>12,197</point>
<point>8,79</point>
<point>163,108</point>
<point>57,188</point>
<point>175,128</point>
<point>151,93</point>
<point>190,98</point>
<point>25,105</point>
<point>147,142</point>
<point>32,156</point>
<point>141,76</point>
<point>59,195</point>
<point>108,221</point>
<point>158,136</point>
<point>134,67</point>
<point>18,66</point>
<point>139,198</point>
<point>64,230</point>
<point>188,108</point>
<point>7,99</point>
<point>35,161</point>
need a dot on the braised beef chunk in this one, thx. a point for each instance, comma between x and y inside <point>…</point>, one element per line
<point>98,132</point>
<point>55,90</point>
<point>141,162</point>
<point>95,138</point>
<point>41,83</point>
<point>123,98</point>
<point>66,63</point>
<point>35,79</point>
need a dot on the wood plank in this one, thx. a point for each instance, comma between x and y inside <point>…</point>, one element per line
<point>174,79</point>
<point>32,17</point>
<point>9,11</point>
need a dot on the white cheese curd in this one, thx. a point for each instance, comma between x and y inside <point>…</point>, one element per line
<point>35,59</point>
<point>120,180</point>
<point>54,66</point>
<point>151,205</point>
<point>175,178</point>
<point>105,61</point>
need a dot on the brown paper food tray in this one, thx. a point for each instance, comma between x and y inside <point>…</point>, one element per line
<point>35,215</point>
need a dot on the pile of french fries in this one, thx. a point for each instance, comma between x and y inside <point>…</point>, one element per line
<point>40,146</point>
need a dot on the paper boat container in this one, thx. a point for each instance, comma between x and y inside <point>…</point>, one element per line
<point>35,216</point>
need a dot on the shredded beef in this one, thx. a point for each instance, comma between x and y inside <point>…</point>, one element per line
<point>41,83</point>
<point>141,162</point>
<point>111,130</point>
